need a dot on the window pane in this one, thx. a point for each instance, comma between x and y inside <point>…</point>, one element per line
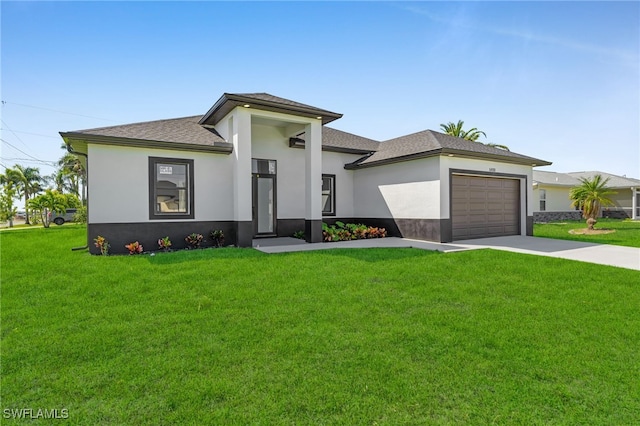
<point>170,188</point>
<point>263,167</point>
<point>171,200</point>
<point>171,175</point>
<point>327,194</point>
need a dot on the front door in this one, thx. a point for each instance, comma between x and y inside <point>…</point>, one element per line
<point>264,197</point>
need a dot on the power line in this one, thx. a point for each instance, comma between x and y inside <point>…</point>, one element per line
<point>14,133</point>
<point>55,110</point>
<point>28,160</point>
<point>34,134</point>
<point>19,150</point>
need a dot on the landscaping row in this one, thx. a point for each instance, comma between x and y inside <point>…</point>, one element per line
<point>193,240</point>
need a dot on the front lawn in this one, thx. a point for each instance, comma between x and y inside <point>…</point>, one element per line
<point>627,232</point>
<point>369,336</point>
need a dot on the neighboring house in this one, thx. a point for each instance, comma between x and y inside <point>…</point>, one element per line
<point>551,195</point>
<point>258,165</point>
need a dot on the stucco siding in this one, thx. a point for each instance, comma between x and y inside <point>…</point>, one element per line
<point>622,199</point>
<point>271,143</point>
<point>557,199</point>
<point>408,190</point>
<point>333,164</point>
<point>119,189</point>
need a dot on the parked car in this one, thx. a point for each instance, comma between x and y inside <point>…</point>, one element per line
<point>20,215</point>
<point>59,218</point>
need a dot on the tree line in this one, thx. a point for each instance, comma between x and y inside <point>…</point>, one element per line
<point>65,188</point>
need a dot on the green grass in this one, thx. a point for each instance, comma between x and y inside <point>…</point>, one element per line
<point>370,336</point>
<point>627,232</point>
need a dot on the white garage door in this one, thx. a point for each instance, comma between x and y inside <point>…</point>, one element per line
<point>484,207</point>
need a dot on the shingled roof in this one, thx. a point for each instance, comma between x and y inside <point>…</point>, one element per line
<point>264,101</point>
<point>184,133</point>
<point>573,179</point>
<point>431,143</point>
<point>339,141</point>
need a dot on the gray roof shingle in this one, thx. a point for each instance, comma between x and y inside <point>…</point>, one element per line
<point>615,181</point>
<point>429,142</point>
<point>553,178</point>
<point>573,178</point>
<point>184,130</point>
<point>337,140</point>
<point>267,102</point>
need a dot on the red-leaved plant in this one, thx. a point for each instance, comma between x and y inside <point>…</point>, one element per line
<point>164,243</point>
<point>134,248</point>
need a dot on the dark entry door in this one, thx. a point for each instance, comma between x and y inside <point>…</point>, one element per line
<point>264,198</point>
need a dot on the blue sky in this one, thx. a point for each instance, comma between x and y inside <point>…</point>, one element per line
<point>553,80</point>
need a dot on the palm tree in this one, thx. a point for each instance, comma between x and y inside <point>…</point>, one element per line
<point>590,196</point>
<point>49,202</point>
<point>7,194</point>
<point>27,181</point>
<point>71,167</point>
<point>455,129</point>
<point>60,181</point>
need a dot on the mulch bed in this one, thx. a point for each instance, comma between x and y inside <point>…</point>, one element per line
<point>586,231</point>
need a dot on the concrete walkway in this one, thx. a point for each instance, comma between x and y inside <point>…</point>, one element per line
<point>603,254</point>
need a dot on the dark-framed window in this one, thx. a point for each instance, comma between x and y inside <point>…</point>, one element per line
<point>170,188</point>
<point>328,195</point>
<point>543,200</point>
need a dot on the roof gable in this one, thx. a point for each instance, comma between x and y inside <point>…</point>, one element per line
<point>267,102</point>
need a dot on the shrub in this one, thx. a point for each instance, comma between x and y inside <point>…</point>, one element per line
<point>134,248</point>
<point>217,236</point>
<point>299,235</point>
<point>350,231</point>
<point>164,243</point>
<point>101,243</point>
<point>81,215</point>
<point>194,240</point>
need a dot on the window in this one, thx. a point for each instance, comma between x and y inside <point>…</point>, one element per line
<point>329,195</point>
<point>170,188</point>
<point>543,200</point>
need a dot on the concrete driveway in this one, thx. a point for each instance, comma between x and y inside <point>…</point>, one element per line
<point>603,254</point>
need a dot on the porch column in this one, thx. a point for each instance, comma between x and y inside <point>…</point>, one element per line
<point>634,203</point>
<point>240,128</point>
<point>313,182</point>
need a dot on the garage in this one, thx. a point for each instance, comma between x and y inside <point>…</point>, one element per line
<point>484,207</point>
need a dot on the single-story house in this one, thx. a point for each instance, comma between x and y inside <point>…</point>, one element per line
<point>257,165</point>
<point>551,195</point>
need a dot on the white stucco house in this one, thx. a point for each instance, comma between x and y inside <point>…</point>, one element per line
<point>258,165</point>
<point>551,195</point>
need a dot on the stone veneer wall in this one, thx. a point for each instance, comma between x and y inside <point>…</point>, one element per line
<point>617,214</point>
<point>543,217</point>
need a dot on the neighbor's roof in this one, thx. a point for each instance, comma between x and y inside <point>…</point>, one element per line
<point>553,178</point>
<point>430,143</point>
<point>264,101</point>
<point>573,178</point>
<point>184,133</point>
<point>615,181</point>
